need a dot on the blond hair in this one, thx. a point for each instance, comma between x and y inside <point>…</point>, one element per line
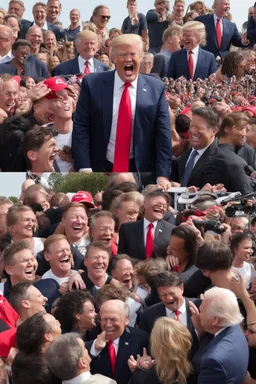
<point>127,39</point>
<point>198,28</point>
<point>51,240</point>
<point>170,344</point>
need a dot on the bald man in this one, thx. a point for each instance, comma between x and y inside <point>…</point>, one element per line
<point>86,45</point>
<point>6,41</point>
<point>122,123</point>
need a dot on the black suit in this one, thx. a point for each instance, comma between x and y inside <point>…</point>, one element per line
<point>247,153</point>
<point>131,239</point>
<point>131,342</point>
<point>51,27</point>
<point>195,178</point>
<point>151,314</point>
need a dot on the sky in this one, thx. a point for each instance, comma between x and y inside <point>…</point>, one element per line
<point>10,183</point>
<point>118,9</point>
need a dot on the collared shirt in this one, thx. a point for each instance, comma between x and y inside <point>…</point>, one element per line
<point>182,315</point>
<point>222,329</point>
<point>118,91</point>
<point>215,18</point>
<point>145,226</point>
<point>6,58</point>
<point>81,64</point>
<point>44,27</point>
<point>200,153</point>
<point>195,57</point>
<point>95,352</point>
<point>78,379</point>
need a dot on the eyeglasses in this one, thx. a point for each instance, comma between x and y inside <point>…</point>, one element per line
<point>105,17</point>
<point>250,330</point>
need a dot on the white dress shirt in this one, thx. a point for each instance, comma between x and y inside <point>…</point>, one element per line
<point>195,57</point>
<point>81,64</point>
<point>95,352</point>
<point>145,226</point>
<point>118,90</point>
<point>6,58</point>
<point>215,18</point>
<point>200,153</point>
<point>182,315</point>
<point>78,379</point>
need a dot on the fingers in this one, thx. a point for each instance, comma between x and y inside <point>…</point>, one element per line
<point>145,352</point>
<point>193,308</point>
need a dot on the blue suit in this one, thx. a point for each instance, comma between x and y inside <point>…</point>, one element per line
<point>178,65</point>
<point>230,35</point>
<point>93,120</point>
<point>225,359</point>
<point>33,67</point>
<point>71,67</point>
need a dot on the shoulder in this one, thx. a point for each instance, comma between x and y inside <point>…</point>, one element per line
<point>137,334</point>
<point>204,18</point>
<point>152,82</point>
<point>154,309</point>
<point>206,53</point>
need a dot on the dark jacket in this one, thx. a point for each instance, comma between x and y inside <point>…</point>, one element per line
<point>33,67</point>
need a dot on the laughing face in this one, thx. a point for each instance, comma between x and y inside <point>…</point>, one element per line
<point>36,300</point>
<point>171,297</point>
<point>155,208</point>
<point>123,272</point>
<point>43,159</point>
<point>127,58</point>
<point>113,320</point>
<point>75,223</point>
<point>201,135</point>
<point>24,267</point>
<point>244,250</point>
<point>25,225</point>
<point>39,14</point>
<point>97,262</point>
<point>59,256</point>
<point>9,97</point>
<point>103,229</point>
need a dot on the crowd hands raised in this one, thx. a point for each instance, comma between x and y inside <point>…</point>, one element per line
<point>121,288</point>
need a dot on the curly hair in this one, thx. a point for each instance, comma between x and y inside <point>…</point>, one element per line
<point>231,63</point>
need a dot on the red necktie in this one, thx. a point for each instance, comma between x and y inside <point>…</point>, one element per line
<point>191,64</point>
<point>218,33</point>
<point>112,356</point>
<point>87,68</point>
<point>149,241</point>
<point>123,132</point>
<point>177,314</point>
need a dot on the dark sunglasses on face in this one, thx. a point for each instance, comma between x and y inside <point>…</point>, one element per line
<point>105,17</point>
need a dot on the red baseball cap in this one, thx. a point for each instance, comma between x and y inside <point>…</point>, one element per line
<point>17,79</point>
<point>83,197</point>
<point>56,84</point>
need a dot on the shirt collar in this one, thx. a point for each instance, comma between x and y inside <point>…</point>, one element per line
<point>82,60</point>
<point>201,151</point>
<point>195,50</point>
<point>146,223</point>
<point>44,27</point>
<point>217,18</point>
<point>79,379</point>
<point>119,82</point>
<point>182,309</point>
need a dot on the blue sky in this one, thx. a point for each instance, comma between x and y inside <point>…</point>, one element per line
<point>10,183</point>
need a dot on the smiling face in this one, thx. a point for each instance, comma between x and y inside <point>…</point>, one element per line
<point>54,324</point>
<point>123,272</point>
<point>13,23</point>
<point>178,9</point>
<point>102,18</point>
<point>103,229</point>
<point>25,225</point>
<point>250,335</point>
<point>96,261</point>
<point>50,41</point>
<point>43,159</point>
<point>155,208</point>
<point>75,222</point>
<point>201,135</point>
<point>113,320</point>
<point>53,9</point>
<point>74,16</point>
<point>191,40</point>
<point>127,212</point>
<point>9,96</point>
<point>62,106</point>
<point>221,7</point>
<point>59,256</point>
<point>171,297</point>
<point>237,133</point>
<point>244,250</point>
<point>21,53</point>
<point>127,59</point>
<point>87,318</point>
<point>16,9</point>
<point>36,300</point>
<point>24,267</point>
<point>87,47</point>
<point>39,14</point>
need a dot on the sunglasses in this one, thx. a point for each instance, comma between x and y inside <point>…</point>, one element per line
<point>105,17</point>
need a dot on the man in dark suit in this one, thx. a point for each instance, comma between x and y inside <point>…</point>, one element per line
<point>86,46</point>
<point>126,127</point>
<point>40,12</point>
<point>113,347</point>
<point>151,235</point>
<point>225,360</point>
<point>173,304</point>
<point>219,42</point>
<point>192,62</point>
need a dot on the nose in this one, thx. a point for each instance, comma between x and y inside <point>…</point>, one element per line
<point>45,299</point>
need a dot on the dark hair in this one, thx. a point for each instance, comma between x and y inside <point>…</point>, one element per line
<point>68,306</point>
<point>114,260</point>
<point>182,123</point>
<point>21,43</point>
<point>232,119</point>
<point>31,368</point>
<point>167,279</point>
<point>18,293</point>
<point>190,241</point>
<point>30,333</point>
<point>253,221</point>
<point>36,138</point>
<point>214,256</point>
<point>209,115</point>
<point>237,238</point>
<point>231,63</point>
<point>157,193</point>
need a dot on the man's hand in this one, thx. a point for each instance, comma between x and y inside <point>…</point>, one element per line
<point>244,39</point>
<point>164,183</point>
<point>76,279</point>
<point>39,91</point>
<point>172,261</point>
<point>132,363</point>
<point>101,341</point>
<point>196,318</point>
<point>145,361</point>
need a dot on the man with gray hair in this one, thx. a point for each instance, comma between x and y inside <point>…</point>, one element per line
<point>225,359</point>
<point>192,61</point>
<point>69,360</point>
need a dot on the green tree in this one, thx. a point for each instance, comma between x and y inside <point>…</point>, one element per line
<point>74,182</point>
<point>14,199</point>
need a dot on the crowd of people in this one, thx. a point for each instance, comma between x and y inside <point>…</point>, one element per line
<point>128,286</point>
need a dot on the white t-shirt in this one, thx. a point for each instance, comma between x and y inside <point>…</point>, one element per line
<point>247,271</point>
<point>60,280</point>
<point>38,245</point>
<point>61,140</point>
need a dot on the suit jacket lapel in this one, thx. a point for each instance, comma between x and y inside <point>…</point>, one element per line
<point>123,352</point>
<point>185,64</point>
<point>202,160</point>
<point>189,321</point>
<point>158,238</point>
<point>140,236</point>
<point>107,104</point>
<point>213,31</point>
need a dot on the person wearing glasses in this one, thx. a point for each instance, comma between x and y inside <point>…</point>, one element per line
<point>101,17</point>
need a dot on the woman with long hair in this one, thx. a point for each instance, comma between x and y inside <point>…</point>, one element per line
<point>170,344</point>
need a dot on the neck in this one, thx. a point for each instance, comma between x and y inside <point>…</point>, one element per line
<point>51,20</point>
<point>34,51</point>
<point>222,279</point>
<point>37,169</point>
<point>87,58</point>
<point>99,281</point>
<point>4,52</point>
<point>74,239</point>
<point>74,25</point>
<point>226,140</point>
<point>40,24</point>
<point>219,15</point>
<point>237,262</point>
<point>63,127</point>
<point>61,274</point>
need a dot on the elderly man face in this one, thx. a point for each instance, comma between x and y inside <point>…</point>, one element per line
<point>238,224</point>
<point>87,46</point>
<point>102,18</point>
<point>103,229</point>
<point>39,14</point>
<point>171,296</point>
<point>16,8</point>
<point>59,257</point>
<point>113,319</point>
<point>205,319</point>
<point>9,96</point>
<point>96,261</point>
<point>6,39</point>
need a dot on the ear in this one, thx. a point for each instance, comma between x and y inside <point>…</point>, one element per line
<point>46,256</point>
<point>126,322</point>
<point>25,304</point>
<point>77,316</point>
<point>31,155</point>
<point>82,363</point>
<point>205,272</point>
<point>48,337</point>
<point>216,130</point>
<point>182,288</point>
<point>9,270</point>
<point>215,321</point>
